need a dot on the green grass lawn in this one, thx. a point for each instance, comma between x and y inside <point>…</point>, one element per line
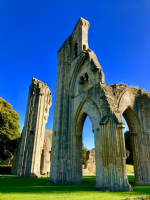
<point>13,188</point>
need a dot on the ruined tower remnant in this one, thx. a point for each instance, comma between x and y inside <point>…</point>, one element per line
<point>90,161</point>
<point>81,91</point>
<point>32,144</point>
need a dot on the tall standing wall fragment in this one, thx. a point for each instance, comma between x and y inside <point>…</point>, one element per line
<point>32,139</point>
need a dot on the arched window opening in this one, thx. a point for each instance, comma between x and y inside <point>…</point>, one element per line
<point>136,139</point>
<point>83,83</point>
<point>129,152</point>
<point>42,162</point>
<point>84,47</point>
<point>88,148</point>
<point>76,49</point>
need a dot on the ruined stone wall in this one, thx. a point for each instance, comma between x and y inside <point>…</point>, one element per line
<point>30,149</point>
<point>47,145</point>
<point>134,105</point>
<point>81,92</point>
<point>90,161</point>
<point>45,156</point>
<point>15,160</point>
<point>62,152</point>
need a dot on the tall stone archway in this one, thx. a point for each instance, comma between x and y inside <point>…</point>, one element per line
<point>135,138</point>
<point>81,91</point>
<point>86,108</point>
<point>132,112</point>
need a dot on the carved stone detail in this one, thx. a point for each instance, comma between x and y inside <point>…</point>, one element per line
<point>83,78</point>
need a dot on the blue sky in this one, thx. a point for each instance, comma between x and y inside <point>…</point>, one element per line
<point>33,31</point>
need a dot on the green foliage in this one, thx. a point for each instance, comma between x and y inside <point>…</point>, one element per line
<point>128,148</point>
<point>127,153</point>
<point>7,161</point>
<point>9,130</point>
<point>129,168</point>
<point>137,88</point>
<point>84,151</point>
<point>8,121</point>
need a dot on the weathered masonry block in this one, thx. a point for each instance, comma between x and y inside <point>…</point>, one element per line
<point>81,91</point>
<point>30,156</point>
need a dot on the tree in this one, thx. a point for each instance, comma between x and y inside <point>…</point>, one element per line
<point>128,148</point>
<point>9,130</point>
<point>127,153</point>
<point>84,151</point>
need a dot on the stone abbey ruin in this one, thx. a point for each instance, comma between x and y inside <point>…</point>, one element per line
<point>32,156</point>
<point>80,92</point>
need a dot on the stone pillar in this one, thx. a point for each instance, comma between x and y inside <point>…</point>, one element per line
<point>112,174</point>
<point>98,158</point>
<point>39,102</point>
<point>78,161</point>
<point>47,149</point>
<point>56,139</point>
<point>141,159</point>
<point>124,179</point>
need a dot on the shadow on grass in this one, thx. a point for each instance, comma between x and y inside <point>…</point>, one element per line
<point>11,184</point>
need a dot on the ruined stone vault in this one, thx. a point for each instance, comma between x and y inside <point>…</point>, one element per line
<point>80,92</point>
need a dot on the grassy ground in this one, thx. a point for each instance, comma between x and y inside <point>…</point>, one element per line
<point>13,188</point>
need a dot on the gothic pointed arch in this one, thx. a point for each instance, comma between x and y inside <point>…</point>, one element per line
<point>132,121</point>
<point>87,107</point>
<point>81,61</point>
<point>126,99</point>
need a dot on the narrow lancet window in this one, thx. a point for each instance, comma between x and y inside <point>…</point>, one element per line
<point>84,47</point>
<point>76,50</point>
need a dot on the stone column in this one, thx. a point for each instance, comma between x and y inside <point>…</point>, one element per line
<point>98,158</point>
<point>124,180</point>
<point>111,158</point>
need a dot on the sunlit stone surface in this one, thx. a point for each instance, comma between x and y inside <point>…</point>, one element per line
<point>81,91</point>
<point>32,157</point>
